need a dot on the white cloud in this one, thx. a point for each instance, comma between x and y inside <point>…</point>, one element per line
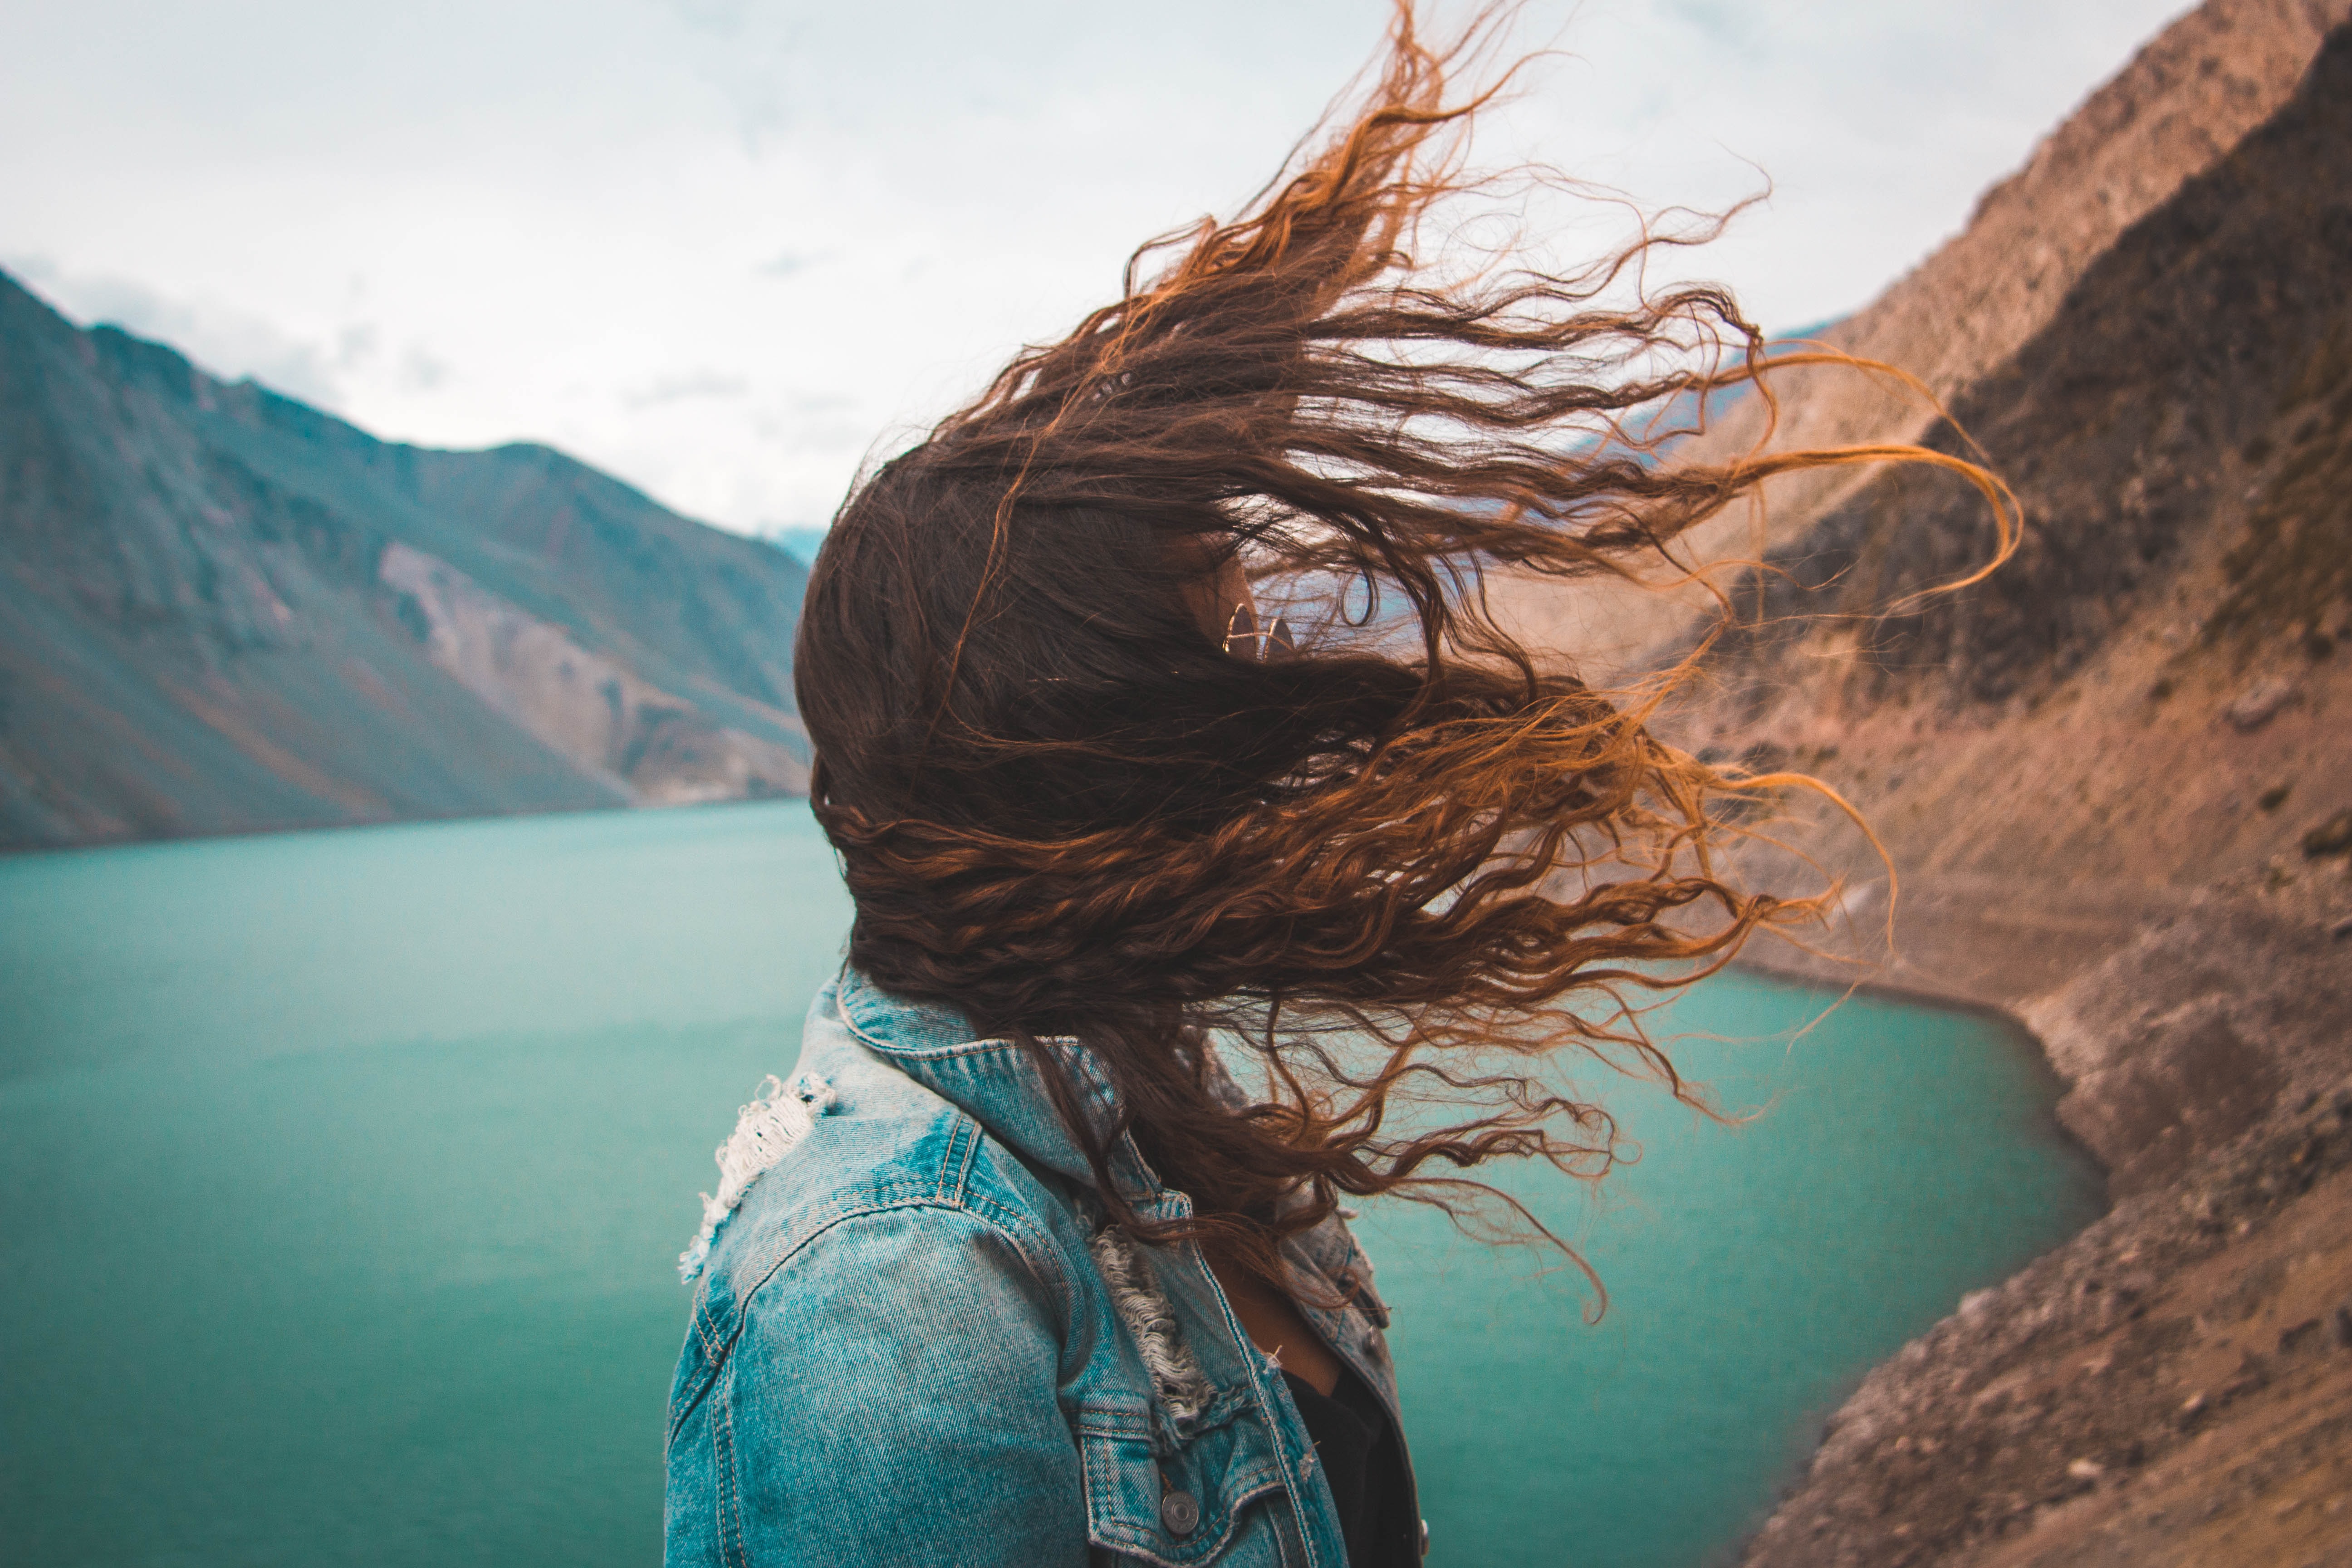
<point>422,370</point>
<point>722,246</point>
<point>786,264</point>
<point>221,337</point>
<point>682,387</point>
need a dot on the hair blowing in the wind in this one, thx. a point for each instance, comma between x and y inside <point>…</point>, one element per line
<point>1390,864</point>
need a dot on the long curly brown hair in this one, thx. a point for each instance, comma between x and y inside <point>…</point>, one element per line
<point>1386,874</point>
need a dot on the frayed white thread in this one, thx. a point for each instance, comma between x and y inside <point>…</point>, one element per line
<point>1175,1376</point>
<point>776,1119</point>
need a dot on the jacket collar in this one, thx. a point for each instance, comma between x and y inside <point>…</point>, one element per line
<point>995,1081</point>
<point>1000,1085</point>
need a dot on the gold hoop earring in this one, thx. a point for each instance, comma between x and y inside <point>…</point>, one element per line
<point>1243,628</point>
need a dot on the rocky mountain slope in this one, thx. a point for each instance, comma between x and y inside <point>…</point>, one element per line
<point>2115,782</point>
<point>2175,111</point>
<point>224,611</point>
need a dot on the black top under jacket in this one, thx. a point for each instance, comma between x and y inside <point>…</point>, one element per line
<point>1363,1464</point>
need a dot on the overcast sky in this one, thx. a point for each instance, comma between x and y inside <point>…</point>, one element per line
<point>721,246</point>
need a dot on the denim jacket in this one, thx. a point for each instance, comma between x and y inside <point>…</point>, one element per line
<point>915,1342</point>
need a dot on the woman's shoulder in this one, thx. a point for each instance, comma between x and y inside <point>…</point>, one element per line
<point>814,1164</point>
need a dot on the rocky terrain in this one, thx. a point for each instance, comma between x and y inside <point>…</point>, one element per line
<point>2112,790</point>
<point>2188,97</point>
<point>224,611</point>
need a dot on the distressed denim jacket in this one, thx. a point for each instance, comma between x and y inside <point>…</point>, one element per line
<point>915,1342</point>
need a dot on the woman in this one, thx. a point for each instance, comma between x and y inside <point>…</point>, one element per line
<point>1165,915</point>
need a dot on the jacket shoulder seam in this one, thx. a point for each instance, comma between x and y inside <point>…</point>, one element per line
<point>719,1338</point>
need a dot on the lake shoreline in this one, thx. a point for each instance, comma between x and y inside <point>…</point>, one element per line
<point>1911,992</point>
<point>2174,1383</point>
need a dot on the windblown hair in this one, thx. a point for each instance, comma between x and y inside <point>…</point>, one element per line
<point>1375,867</point>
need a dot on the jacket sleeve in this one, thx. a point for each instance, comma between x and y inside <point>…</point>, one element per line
<point>891,1398</point>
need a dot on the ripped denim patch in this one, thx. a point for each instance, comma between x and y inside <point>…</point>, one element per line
<point>765,1130</point>
<point>1176,1378</point>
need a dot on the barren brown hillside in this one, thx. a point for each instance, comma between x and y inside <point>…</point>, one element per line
<point>2172,113</point>
<point>2115,781</point>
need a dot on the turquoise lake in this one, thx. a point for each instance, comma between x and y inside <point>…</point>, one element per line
<point>343,1175</point>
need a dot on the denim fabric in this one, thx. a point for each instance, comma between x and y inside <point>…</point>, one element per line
<point>903,1349</point>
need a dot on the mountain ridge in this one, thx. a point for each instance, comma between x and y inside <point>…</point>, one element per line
<point>2112,779</point>
<point>228,611</point>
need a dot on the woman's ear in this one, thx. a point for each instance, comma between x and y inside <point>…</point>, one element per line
<point>1222,603</point>
<point>1247,636</point>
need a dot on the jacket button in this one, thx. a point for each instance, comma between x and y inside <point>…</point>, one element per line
<point>1178,1512</point>
<point>1425,1538</point>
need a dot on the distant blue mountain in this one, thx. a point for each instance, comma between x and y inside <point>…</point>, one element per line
<point>1674,420</point>
<point>222,610</point>
<point>801,542</point>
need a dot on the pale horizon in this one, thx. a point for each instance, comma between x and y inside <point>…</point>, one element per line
<point>723,248</point>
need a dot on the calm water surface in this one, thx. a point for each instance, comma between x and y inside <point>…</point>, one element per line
<point>342,1175</point>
